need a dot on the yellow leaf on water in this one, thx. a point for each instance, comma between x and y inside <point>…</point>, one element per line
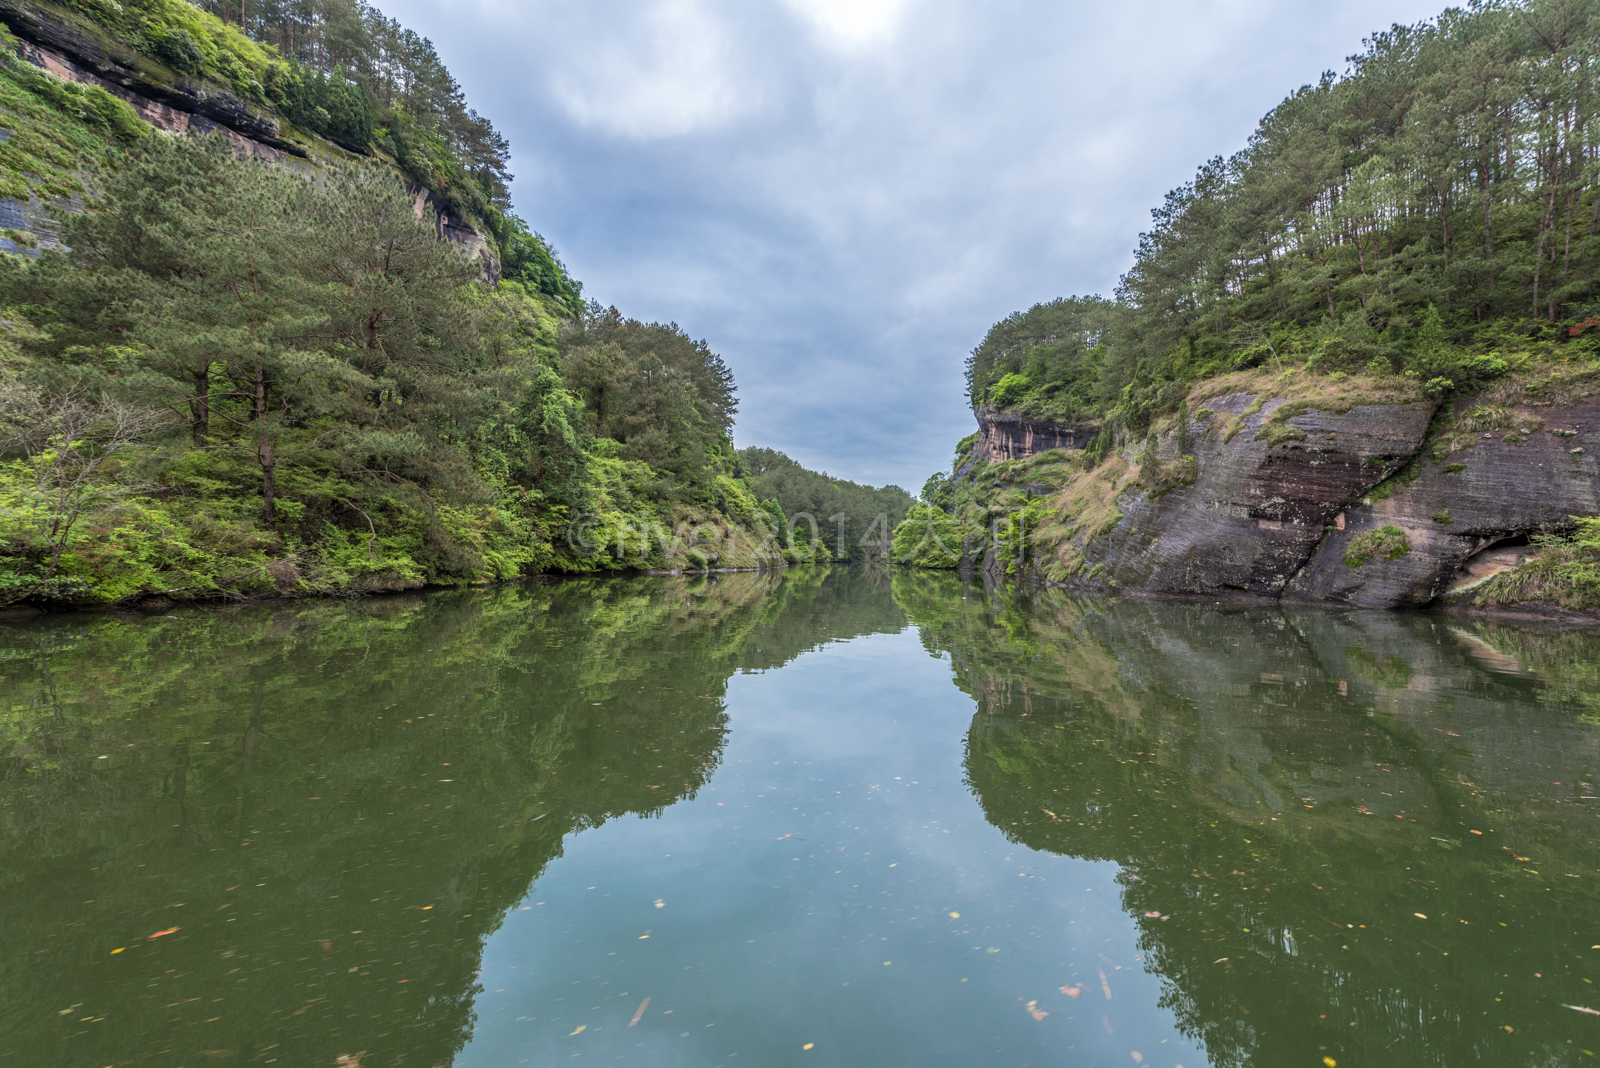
<point>581,1028</point>
<point>119,949</point>
<point>1330,1062</point>
<point>1419,915</point>
<point>808,1045</point>
<point>955,915</point>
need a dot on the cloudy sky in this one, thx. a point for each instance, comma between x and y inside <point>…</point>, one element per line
<point>842,196</point>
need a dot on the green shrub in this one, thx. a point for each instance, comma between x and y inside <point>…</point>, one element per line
<point>1009,390</point>
<point>1387,542</point>
<point>177,50</point>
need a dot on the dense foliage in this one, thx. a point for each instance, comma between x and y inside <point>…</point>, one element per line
<point>343,70</point>
<point>235,378</point>
<point>853,520</point>
<point>1435,213</point>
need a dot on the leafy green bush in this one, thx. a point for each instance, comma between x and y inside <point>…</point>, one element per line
<point>1009,390</point>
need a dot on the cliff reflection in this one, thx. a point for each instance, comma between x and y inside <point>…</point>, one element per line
<point>328,808</point>
<point>1357,835</point>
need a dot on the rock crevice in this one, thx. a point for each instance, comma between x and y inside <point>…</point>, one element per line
<point>1255,511</point>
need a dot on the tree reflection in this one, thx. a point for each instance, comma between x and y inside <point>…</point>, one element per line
<point>331,806</point>
<point>1288,795</point>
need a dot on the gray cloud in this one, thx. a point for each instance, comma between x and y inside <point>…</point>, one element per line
<point>842,195</point>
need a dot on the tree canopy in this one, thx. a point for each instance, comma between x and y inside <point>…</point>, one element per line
<point>1436,204</point>
<point>862,531</point>
<point>275,381</point>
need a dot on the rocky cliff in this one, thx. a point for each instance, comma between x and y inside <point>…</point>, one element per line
<point>1472,499</point>
<point>1318,497</point>
<point>1257,508</point>
<point>69,51</point>
<point>1007,436</point>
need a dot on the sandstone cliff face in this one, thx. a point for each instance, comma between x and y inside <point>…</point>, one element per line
<point>1281,506</point>
<point>182,107</point>
<point>68,52</point>
<point>1255,511</point>
<point>1499,488</point>
<point>1004,436</point>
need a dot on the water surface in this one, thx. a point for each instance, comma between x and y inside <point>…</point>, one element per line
<point>825,818</point>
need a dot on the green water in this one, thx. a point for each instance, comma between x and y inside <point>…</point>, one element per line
<point>885,817</point>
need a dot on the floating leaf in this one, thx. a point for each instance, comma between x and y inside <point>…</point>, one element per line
<point>160,934</point>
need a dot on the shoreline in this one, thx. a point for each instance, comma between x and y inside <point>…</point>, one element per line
<point>151,604</point>
<point>1531,612</point>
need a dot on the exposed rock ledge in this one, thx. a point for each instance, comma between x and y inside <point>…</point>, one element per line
<point>1276,520</point>
<point>73,55</point>
<point>1005,436</point>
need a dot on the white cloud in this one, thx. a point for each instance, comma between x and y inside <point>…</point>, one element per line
<point>851,23</point>
<point>667,74</point>
<point>842,195</point>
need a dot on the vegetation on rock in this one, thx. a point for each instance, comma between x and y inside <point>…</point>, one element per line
<point>1442,244</point>
<point>1388,542</point>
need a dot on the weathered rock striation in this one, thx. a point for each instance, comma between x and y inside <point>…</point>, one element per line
<point>1007,436</point>
<point>1376,506</point>
<point>181,105</point>
<point>1255,511</point>
<point>1473,492</point>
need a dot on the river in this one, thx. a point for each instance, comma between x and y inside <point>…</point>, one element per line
<point>822,818</point>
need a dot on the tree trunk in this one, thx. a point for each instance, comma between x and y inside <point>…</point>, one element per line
<point>1538,256</point>
<point>265,454</point>
<point>1488,223</point>
<point>200,404</point>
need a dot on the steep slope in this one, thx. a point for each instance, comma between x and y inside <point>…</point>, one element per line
<point>1351,363</point>
<point>102,64</point>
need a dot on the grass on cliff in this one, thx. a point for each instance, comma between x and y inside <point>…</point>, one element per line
<point>55,130</point>
<point>1566,573</point>
<point>1337,392</point>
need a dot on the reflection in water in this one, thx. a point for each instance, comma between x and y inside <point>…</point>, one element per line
<point>291,834</point>
<point>1361,835</point>
<point>284,834</point>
